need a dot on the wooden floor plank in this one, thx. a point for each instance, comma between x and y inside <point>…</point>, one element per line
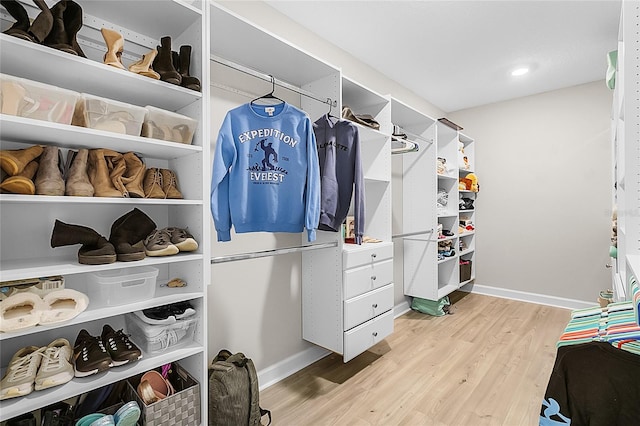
<point>487,364</point>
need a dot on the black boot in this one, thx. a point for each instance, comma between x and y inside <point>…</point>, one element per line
<point>185,62</point>
<point>23,28</point>
<point>163,63</point>
<point>95,250</point>
<point>128,233</point>
<point>67,21</point>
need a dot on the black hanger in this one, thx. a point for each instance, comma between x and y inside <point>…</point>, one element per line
<point>330,102</point>
<point>269,95</point>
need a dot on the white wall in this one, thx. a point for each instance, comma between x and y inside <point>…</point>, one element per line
<point>543,213</point>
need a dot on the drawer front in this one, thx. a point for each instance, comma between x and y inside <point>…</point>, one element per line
<point>366,254</point>
<point>366,306</point>
<point>361,338</point>
<point>360,280</point>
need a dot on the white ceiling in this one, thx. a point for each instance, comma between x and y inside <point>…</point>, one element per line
<point>460,54</point>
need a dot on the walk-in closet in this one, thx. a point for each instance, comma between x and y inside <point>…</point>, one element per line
<point>367,200</point>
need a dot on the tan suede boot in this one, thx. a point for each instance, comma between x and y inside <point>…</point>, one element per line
<point>153,183</point>
<point>14,161</point>
<point>49,179</point>
<point>115,46</point>
<point>77,179</point>
<point>170,184</point>
<point>134,175</point>
<point>22,183</point>
<point>143,66</point>
<point>98,168</point>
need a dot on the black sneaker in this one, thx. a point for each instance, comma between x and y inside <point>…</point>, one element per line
<point>182,310</point>
<point>120,348</point>
<point>90,355</point>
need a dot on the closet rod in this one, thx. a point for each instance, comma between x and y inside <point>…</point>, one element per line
<point>409,234</point>
<point>268,78</point>
<point>409,146</point>
<point>273,252</point>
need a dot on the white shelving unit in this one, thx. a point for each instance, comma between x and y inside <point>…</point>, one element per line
<point>348,292</point>
<point>27,221</point>
<point>625,131</point>
<point>425,275</point>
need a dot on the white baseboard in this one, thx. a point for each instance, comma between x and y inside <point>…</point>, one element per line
<point>283,369</point>
<point>401,308</point>
<point>523,296</point>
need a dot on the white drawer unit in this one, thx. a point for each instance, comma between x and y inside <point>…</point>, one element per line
<point>348,297</point>
<point>366,278</point>
<point>361,338</point>
<point>367,306</point>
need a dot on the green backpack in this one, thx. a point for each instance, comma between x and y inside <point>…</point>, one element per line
<point>234,392</point>
<point>436,308</point>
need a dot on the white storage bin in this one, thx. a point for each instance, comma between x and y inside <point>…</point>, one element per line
<point>39,101</point>
<point>118,286</point>
<point>106,114</point>
<point>159,338</point>
<point>168,126</point>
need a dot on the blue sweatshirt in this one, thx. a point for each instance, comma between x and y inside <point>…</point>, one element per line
<point>265,172</point>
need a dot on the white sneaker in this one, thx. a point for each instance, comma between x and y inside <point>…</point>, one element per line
<point>56,367</point>
<point>20,310</point>
<point>21,373</point>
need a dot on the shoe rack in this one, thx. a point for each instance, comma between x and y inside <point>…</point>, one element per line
<point>426,276</point>
<point>27,221</point>
<point>625,128</point>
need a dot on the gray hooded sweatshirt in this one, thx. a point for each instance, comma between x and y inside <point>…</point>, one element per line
<point>341,174</point>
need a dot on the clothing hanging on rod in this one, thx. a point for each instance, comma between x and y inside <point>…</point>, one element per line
<point>265,174</point>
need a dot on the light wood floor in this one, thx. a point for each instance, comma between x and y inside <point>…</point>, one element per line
<point>487,364</point>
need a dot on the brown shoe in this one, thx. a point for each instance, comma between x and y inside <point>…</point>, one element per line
<point>115,46</point>
<point>49,179</point>
<point>95,250</point>
<point>170,184</point>
<point>77,179</point>
<point>133,176</point>
<point>14,161</point>
<point>22,183</point>
<point>153,183</point>
<point>100,166</point>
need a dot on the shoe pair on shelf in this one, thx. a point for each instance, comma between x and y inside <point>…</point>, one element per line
<point>41,170</point>
<point>169,241</point>
<point>94,354</point>
<point>37,368</point>
<point>160,64</point>
<point>25,309</point>
<point>56,27</point>
<point>166,314</point>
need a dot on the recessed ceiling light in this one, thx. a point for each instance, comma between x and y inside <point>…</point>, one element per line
<point>519,71</point>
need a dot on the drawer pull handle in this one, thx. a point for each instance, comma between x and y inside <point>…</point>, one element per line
<point>374,255</point>
<point>375,334</point>
<point>373,277</point>
<point>375,305</point>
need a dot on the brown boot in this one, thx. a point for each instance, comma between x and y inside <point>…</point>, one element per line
<point>95,250</point>
<point>49,179</point>
<point>14,161</point>
<point>163,63</point>
<point>153,183</point>
<point>115,46</point>
<point>170,184</point>
<point>67,21</point>
<point>99,167</point>
<point>143,66</point>
<point>133,176</point>
<point>128,233</point>
<point>188,81</point>
<point>22,183</point>
<point>77,179</point>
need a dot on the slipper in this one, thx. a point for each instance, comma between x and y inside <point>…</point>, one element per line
<point>20,310</point>
<point>63,305</point>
